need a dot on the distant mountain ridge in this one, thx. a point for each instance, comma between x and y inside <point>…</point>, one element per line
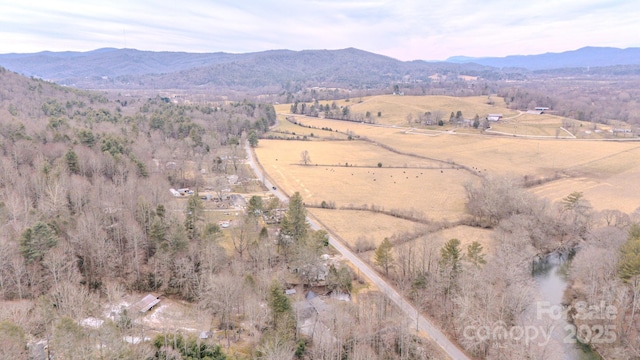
<point>110,68</point>
<point>109,62</point>
<point>128,68</point>
<point>580,58</point>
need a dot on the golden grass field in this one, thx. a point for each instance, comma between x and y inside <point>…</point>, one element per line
<point>606,171</point>
<point>434,241</point>
<point>286,129</point>
<point>351,225</point>
<point>534,125</point>
<point>503,155</point>
<point>466,235</point>
<point>395,109</point>
<point>436,192</point>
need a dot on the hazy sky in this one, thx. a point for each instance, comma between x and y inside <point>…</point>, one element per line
<point>402,29</point>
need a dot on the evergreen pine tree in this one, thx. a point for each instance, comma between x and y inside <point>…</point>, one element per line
<point>475,255</point>
<point>383,255</point>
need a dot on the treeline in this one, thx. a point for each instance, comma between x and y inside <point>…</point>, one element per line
<point>605,273</point>
<point>332,111</point>
<point>594,98</point>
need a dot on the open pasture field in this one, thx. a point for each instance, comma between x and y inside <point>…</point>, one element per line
<point>607,172</point>
<point>334,153</point>
<point>421,185</point>
<point>394,109</point>
<point>287,129</point>
<point>353,224</point>
<point>433,242</point>
<point>466,235</point>
<point>531,125</point>
<point>500,154</point>
<point>612,164</point>
<point>608,182</point>
<point>548,125</point>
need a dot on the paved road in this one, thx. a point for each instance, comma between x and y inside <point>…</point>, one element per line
<point>258,171</point>
<point>425,325</point>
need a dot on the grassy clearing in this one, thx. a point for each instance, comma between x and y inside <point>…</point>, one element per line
<point>352,225</point>
<point>538,158</point>
<point>495,153</point>
<point>606,181</point>
<point>437,192</point>
<point>374,227</point>
<point>335,153</point>
<point>534,125</point>
<point>434,241</point>
<point>466,235</point>
<point>395,109</point>
<point>287,129</point>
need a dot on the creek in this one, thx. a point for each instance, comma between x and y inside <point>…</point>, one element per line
<point>550,275</point>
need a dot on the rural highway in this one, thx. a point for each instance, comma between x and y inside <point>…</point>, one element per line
<point>451,349</point>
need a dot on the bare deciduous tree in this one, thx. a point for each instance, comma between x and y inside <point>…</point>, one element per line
<point>222,297</point>
<point>305,157</point>
<point>245,234</point>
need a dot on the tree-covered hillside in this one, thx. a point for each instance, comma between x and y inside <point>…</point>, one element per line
<point>85,207</point>
<point>260,72</point>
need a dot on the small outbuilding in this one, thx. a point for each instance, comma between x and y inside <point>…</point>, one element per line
<point>146,303</point>
<point>494,117</point>
<point>290,291</point>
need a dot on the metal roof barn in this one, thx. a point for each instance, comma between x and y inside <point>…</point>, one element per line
<point>146,303</point>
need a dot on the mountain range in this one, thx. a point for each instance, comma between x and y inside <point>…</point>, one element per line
<point>110,68</point>
<point>128,68</point>
<point>580,58</point>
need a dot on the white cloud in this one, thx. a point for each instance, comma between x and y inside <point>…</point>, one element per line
<point>407,30</point>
